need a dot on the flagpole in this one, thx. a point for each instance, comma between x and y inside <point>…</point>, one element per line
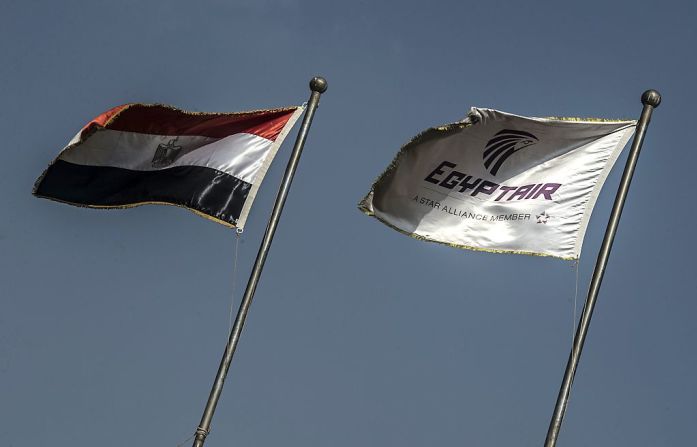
<point>318,85</point>
<point>650,99</point>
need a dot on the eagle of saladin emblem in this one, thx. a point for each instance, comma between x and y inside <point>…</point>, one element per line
<point>166,153</point>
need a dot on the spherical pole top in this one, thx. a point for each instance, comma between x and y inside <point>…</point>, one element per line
<point>319,84</point>
<point>651,98</point>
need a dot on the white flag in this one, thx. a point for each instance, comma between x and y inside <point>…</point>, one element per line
<point>501,183</point>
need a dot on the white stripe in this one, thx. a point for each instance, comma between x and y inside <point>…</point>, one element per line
<point>240,155</point>
<point>266,164</point>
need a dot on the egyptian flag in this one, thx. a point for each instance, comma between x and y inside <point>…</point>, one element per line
<point>136,154</point>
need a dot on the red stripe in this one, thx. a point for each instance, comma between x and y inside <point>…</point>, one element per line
<point>163,120</point>
<point>102,119</point>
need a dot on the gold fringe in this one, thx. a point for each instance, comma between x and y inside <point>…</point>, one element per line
<point>589,120</point>
<point>189,112</point>
<point>465,247</point>
<point>135,204</point>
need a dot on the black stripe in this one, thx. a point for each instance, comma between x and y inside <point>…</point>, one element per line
<point>206,190</point>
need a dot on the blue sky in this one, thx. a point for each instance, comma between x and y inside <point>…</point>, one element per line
<point>113,322</point>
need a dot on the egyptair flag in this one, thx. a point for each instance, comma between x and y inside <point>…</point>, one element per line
<point>500,182</point>
<point>136,154</point>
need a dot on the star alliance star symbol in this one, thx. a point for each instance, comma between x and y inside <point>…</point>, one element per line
<point>543,218</point>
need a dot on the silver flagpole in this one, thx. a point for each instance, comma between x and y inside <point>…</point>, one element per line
<point>651,99</point>
<point>318,86</point>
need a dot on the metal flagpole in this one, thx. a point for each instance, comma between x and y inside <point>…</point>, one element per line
<point>651,99</point>
<point>318,85</point>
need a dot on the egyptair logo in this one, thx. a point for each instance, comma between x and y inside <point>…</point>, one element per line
<point>165,154</point>
<point>503,145</point>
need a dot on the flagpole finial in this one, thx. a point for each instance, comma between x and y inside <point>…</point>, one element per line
<point>651,98</point>
<point>318,84</point>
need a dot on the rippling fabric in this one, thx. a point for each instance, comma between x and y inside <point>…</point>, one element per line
<point>500,182</point>
<point>203,190</point>
<point>210,163</point>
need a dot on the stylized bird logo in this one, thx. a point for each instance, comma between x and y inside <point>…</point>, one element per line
<point>503,145</point>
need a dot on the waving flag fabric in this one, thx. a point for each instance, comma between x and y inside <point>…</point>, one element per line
<point>135,154</point>
<point>500,182</point>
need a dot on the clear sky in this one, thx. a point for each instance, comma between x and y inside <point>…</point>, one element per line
<point>113,322</point>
